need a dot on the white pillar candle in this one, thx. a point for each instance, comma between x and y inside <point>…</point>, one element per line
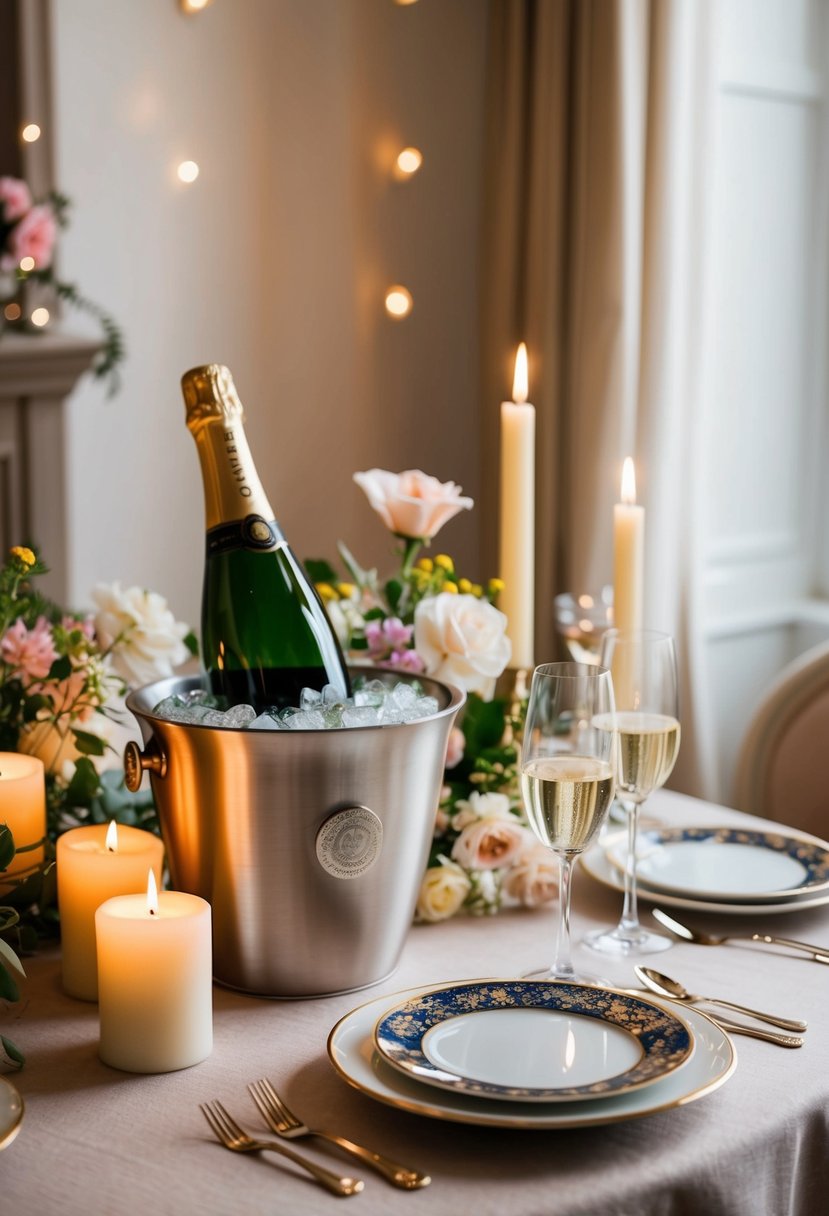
<point>23,809</point>
<point>155,996</point>
<point>90,871</point>
<point>628,555</point>
<point>517,539</point>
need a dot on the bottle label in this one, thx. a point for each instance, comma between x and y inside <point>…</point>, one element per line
<point>253,532</point>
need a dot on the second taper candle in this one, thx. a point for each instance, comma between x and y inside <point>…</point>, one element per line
<point>517,532</point>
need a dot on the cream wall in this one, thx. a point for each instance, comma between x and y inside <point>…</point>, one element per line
<point>274,262</point>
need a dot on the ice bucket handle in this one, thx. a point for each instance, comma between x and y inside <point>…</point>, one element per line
<point>136,761</point>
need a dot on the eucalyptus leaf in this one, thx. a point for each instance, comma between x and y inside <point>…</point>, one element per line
<point>84,784</point>
<point>7,849</point>
<point>87,743</point>
<point>10,957</point>
<point>61,669</point>
<point>320,571</point>
<point>363,578</point>
<point>14,1054</point>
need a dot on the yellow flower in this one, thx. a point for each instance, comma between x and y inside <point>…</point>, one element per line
<point>495,586</point>
<point>464,586</point>
<point>25,555</point>
<point>451,587</point>
<point>426,564</point>
<point>477,590</point>
<point>326,591</point>
<point>345,590</point>
<point>443,562</point>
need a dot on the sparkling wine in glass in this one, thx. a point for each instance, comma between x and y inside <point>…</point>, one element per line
<point>645,683</point>
<point>568,776</point>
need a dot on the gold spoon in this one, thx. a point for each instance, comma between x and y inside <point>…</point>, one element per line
<point>665,986</point>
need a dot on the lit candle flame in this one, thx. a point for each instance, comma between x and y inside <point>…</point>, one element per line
<point>111,841</point>
<point>152,894</point>
<point>628,482</point>
<point>520,382</point>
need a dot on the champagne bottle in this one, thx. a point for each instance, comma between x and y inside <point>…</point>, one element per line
<point>265,633</point>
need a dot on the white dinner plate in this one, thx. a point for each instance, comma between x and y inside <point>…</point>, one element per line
<point>597,863</point>
<point>353,1055</point>
<point>11,1112</point>
<point>729,864</point>
<point>533,1040</point>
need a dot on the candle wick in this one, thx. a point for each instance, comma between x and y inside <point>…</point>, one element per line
<point>152,911</point>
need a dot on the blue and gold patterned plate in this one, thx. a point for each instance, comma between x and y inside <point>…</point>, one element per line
<point>533,1040</point>
<point>719,863</point>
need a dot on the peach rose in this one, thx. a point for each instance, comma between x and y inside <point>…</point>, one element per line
<point>462,640</point>
<point>533,878</point>
<point>490,844</point>
<point>33,237</point>
<point>412,504</point>
<point>15,198</point>
<point>454,747</point>
<point>442,892</point>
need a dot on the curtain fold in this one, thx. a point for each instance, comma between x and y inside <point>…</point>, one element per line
<point>599,119</point>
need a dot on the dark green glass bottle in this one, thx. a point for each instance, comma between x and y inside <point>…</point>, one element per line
<point>265,633</point>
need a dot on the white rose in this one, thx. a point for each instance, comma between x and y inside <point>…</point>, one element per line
<point>412,504</point>
<point>146,640</point>
<point>462,640</point>
<point>442,892</point>
<point>533,878</point>
<point>482,806</point>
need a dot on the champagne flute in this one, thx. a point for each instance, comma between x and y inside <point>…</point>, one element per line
<point>567,776</point>
<point>645,684</point>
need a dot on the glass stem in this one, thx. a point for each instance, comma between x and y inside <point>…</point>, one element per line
<point>629,923</point>
<point>562,967</point>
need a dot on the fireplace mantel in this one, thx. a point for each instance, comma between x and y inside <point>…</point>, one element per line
<point>37,374</point>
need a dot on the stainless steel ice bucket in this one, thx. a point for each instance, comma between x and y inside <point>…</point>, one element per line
<point>310,845</point>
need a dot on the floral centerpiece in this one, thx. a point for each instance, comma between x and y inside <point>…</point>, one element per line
<point>427,618</point>
<point>28,236</point>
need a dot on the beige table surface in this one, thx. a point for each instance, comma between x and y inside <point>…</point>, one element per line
<point>97,1141</point>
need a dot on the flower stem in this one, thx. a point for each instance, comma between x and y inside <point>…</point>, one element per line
<point>412,545</point>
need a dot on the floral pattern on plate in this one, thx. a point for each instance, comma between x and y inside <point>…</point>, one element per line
<point>664,1042</point>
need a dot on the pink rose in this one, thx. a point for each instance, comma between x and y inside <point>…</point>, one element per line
<point>454,747</point>
<point>407,660</point>
<point>15,198</point>
<point>33,237</point>
<point>490,844</point>
<point>30,651</point>
<point>412,504</point>
<point>533,878</point>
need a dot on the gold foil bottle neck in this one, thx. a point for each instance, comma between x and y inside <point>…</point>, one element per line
<point>209,393</point>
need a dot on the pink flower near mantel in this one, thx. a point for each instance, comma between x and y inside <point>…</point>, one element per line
<point>15,198</point>
<point>412,504</point>
<point>29,651</point>
<point>32,237</point>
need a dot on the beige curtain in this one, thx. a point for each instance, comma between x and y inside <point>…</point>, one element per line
<point>599,124</point>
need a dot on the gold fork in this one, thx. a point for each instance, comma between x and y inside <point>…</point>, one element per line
<point>230,1134</point>
<point>282,1121</point>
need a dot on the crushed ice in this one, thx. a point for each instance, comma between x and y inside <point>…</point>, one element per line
<point>373,704</point>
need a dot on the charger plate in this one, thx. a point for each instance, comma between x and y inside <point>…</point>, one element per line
<point>730,864</point>
<point>11,1112</point>
<point>533,1041</point>
<point>598,863</point>
<point>352,1053</point>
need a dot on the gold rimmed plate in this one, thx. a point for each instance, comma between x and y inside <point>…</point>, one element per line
<point>354,1057</point>
<point>11,1112</point>
<point>533,1040</point>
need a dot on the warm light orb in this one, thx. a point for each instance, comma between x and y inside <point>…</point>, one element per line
<point>628,482</point>
<point>12,312</point>
<point>193,6</point>
<point>30,133</point>
<point>408,162</point>
<point>152,894</point>
<point>40,317</point>
<point>404,3</point>
<point>520,381</point>
<point>188,171</point>
<point>399,302</point>
<point>111,841</point>
<point>27,264</point>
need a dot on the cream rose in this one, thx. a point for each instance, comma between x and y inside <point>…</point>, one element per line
<point>533,878</point>
<point>462,640</point>
<point>490,844</point>
<point>412,504</point>
<point>442,891</point>
<point>146,640</point>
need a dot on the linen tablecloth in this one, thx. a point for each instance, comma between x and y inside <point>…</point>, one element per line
<point>96,1141</point>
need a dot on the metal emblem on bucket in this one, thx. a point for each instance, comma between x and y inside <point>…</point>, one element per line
<point>349,842</point>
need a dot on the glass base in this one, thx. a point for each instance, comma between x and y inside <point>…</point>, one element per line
<point>623,943</point>
<point>569,977</point>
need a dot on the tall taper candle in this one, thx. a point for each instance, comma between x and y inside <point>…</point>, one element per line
<point>517,532</point>
<point>628,554</point>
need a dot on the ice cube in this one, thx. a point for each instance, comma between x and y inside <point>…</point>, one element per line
<point>309,698</point>
<point>240,716</point>
<point>331,695</point>
<point>306,720</point>
<point>423,707</point>
<point>166,707</point>
<point>360,715</point>
<point>266,721</point>
<point>404,695</point>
